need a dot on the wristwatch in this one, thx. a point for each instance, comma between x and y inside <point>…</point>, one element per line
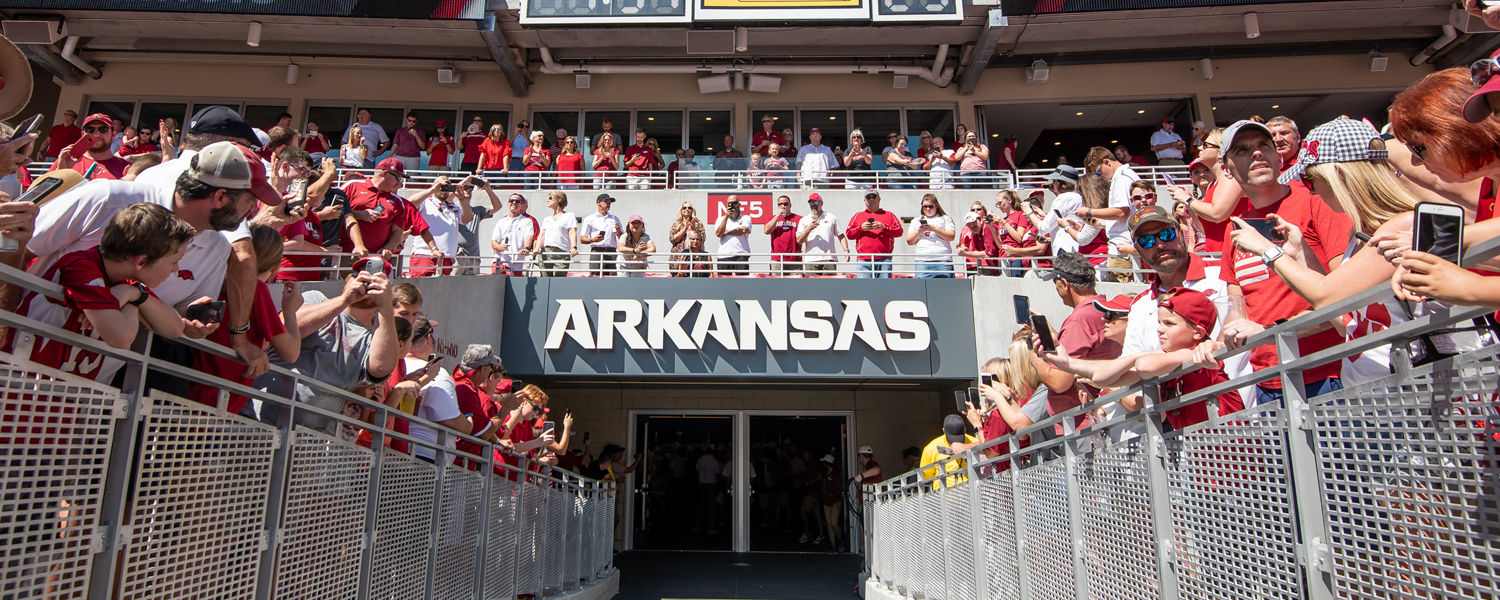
<point>145,293</point>
<point>1270,256</point>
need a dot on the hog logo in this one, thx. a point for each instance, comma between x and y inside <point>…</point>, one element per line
<point>185,275</point>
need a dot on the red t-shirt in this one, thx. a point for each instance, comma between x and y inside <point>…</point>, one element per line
<point>265,324</point>
<point>109,168</point>
<point>1267,297</point>
<point>85,286</point>
<point>315,144</point>
<point>763,135</point>
<point>784,239</point>
<point>437,151</point>
<point>638,158</point>
<point>570,163</point>
<point>496,154</point>
<point>311,230</point>
<point>874,241</point>
<point>984,242</point>
<point>472,143</point>
<point>1215,234</point>
<point>1018,220</point>
<point>60,136</point>
<point>1192,414</point>
<point>393,210</point>
<point>138,148</point>
<point>536,160</point>
<point>1082,334</point>
<point>608,164</point>
<point>478,405</point>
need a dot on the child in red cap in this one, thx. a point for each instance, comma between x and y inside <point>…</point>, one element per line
<point>1185,320</point>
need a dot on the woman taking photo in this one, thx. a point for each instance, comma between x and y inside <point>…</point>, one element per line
<point>973,159</point>
<point>569,165</point>
<point>857,161</point>
<point>494,152</point>
<point>900,161</point>
<point>440,147</point>
<point>606,161</point>
<point>939,165</point>
<point>933,234</point>
<point>635,247</point>
<point>687,221</point>
<point>1089,233</point>
<point>537,158</point>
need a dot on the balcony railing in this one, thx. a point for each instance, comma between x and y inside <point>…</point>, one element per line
<point>1384,490</point>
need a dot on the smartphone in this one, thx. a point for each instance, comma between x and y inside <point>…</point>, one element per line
<point>1167,177</point>
<point>516,385</point>
<point>379,209</point>
<point>40,190</point>
<point>80,148</point>
<point>975,400</point>
<point>208,312</point>
<point>1439,231</point>
<point>548,427</point>
<point>1023,308</point>
<point>298,187</point>
<point>1039,323</point>
<point>1267,228</point>
<point>870,220</point>
<point>986,379</point>
<point>447,187</point>
<point>585,436</point>
<point>28,127</point>
<point>960,399</point>
<point>375,265</point>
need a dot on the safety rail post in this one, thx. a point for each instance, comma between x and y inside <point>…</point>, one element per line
<point>118,478</point>
<point>372,503</point>
<point>1075,509</point>
<point>940,490</point>
<point>976,527</point>
<point>1023,582</point>
<point>515,562</point>
<point>487,498</point>
<point>440,457</point>
<point>281,473</point>
<point>1302,458</point>
<point>1159,491</point>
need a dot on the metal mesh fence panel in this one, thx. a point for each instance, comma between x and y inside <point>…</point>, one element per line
<point>458,534</point>
<point>197,522</point>
<point>910,559</point>
<point>607,526</point>
<point>997,502</point>
<point>403,520</point>
<point>1232,509</point>
<point>1043,493</point>
<point>589,554</point>
<point>961,542</point>
<point>574,550</point>
<point>324,519</point>
<point>1119,540</point>
<point>500,551</point>
<point>930,526</point>
<point>872,558</point>
<point>54,450</point>
<point>553,542</point>
<point>1408,470</point>
<point>530,530</point>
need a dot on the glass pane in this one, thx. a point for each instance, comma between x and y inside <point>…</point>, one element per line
<point>264,116</point>
<point>785,452</point>
<point>937,122</point>
<point>682,515</point>
<point>833,124</point>
<point>706,131</point>
<point>551,122</point>
<point>663,126</point>
<point>878,126</point>
<point>332,121</point>
<point>153,112</point>
<point>119,111</point>
<point>619,125</point>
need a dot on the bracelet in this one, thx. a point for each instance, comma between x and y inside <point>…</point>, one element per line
<point>239,330</point>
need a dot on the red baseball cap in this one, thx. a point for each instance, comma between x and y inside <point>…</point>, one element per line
<point>359,265</point>
<point>101,117</point>
<point>1118,305</point>
<point>393,165</point>
<point>814,130</point>
<point>814,197</point>
<point>1192,305</point>
<point>1477,107</point>
<point>441,123</point>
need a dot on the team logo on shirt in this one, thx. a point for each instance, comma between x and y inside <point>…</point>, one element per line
<point>185,275</point>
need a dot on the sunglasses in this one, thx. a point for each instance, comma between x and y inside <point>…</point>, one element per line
<point>1418,150</point>
<point>96,130</point>
<point>783,204</point>
<point>1149,240</point>
<point>1145,196</point>
<point>767,121</point>
<point>515,200</point>
<point>1482,70</point>
<point>927,206</point>
<point>411,120</point>
<point>1307,178</point>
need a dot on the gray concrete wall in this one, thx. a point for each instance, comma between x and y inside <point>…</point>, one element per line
<point>469,310</point>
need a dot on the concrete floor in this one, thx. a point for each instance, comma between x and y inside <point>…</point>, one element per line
<point>648,575</point>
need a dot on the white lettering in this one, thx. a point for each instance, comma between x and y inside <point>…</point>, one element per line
<point>817,324</point>
<point>897,324</point>
<point>858,320</point>
<point>713,313</point>
<point>773,326</point>
<point>572,319</point>
<point>660,321</point>
<point>631,310</point>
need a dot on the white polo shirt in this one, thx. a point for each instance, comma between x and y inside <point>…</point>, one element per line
<point>442,222</point>
<point>736,244</point>
<point>75,221</point>
<point>513,231</point>
<point>1118,230</point>
<point>595,223</point>
<point>1162,137</point>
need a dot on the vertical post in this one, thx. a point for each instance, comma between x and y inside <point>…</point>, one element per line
<point>1075,511</point>
<point>741,482</point>
<point>281,461</point>
<point>976,526</point>
<point>940,492</point>
<point>120,473</point>
<point>372,503</point>
<point>1023,583</point>
<point>487,499</point>
<point>1159,491</point>
<point>1302,454</point>
<point>515,556</point>
<point>439,457</point>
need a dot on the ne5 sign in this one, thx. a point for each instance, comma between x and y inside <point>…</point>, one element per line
<point>675,327</point>
<point>760,207</point>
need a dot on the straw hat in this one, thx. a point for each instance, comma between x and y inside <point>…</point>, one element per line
<point>15,80</point>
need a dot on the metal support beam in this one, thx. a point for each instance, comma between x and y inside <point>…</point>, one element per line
<point>500,51</point>
<point>1468,49</point>
<point>50,62</point>
<point>984,50</point>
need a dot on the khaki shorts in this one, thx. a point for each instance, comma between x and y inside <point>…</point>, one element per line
<point>825,266</point>
<point>1117,263</point>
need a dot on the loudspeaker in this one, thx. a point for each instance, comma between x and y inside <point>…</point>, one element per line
<point>35,32</point>
<point>714,84</point>
<point>899,82</point>
<point>581,81</point>
<point>765,83</point>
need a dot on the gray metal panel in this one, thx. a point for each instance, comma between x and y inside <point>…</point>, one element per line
<point>1118,533</point>
<point>323,530</point>
<point>408,494</point>
<point>458,536</point>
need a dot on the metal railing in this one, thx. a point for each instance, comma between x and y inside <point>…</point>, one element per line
<point>121,493</point>
<point>1036,178</point>
<point>1384,490</point>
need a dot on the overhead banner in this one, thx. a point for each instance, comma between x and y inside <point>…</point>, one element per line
<point>677,327</point>
<point>566,12</point>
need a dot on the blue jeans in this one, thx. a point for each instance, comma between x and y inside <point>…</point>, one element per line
<point>933,269</point>
<point>973,180</point>
<point>1014,267</point>
<point>1312,389</point>
<point>878,268</point>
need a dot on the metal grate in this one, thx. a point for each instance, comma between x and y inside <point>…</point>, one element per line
<point>500,552</point>
<point>458,534</point>
<point>54,450</point>
<point>528,554</point>
<point>961,541</point>
<point>1408,471</point>
<point>910,561</point>
<point>997,505</point>
<point>867,523</point>
<point>1232,509</point>
<point>574,550</point>
<point>552,543</point>
<point>403,520</point>
<point>197,522</point>
<point>930,525</point>
<point>589,554</point>
<point>1043,491</point>
<point>1120,548</point>
<point>319,552</point>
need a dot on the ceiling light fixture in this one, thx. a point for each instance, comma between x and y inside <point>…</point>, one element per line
<point>1207,67</point>
<point>253,39</point>
<point>1252,26</point>
<point>1140,112</point>
<point>1079,114</point>
<point>1275,106</point>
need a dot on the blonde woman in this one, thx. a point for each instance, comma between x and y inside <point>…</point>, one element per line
<point>606,161</point>
<point>355,152</point>
<point>687,220</point>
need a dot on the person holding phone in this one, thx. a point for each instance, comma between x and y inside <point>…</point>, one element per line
<point>733,230</point>
<point>1082,335</point>
<point>635,247</point>
<point>782,227</point>
<point>409,143</point>
<point>932,236</point>
<point>1250,155</point>
<point>818,231</point>
<point>973,159</point>
<point>94,147</point>
<point>874,231</point>
<point>444,207</point>
<point>978,243</point>
<point>439,393</point>
<point>858,159</point>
